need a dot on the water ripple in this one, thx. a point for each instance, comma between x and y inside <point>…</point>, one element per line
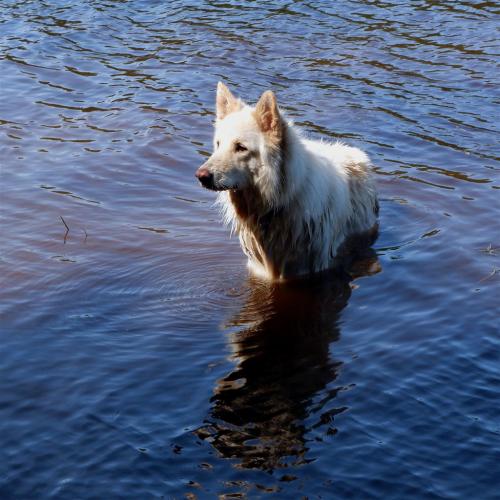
<point>138,358</point>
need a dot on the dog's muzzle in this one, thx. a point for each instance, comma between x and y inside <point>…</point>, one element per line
<point>205,177</point>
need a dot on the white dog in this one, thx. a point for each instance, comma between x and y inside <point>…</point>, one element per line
<point>297,205</point>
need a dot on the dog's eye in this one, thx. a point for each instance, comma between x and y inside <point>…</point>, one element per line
<point>239,147</point>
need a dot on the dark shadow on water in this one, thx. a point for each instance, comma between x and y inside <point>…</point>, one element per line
<point>259,413</point>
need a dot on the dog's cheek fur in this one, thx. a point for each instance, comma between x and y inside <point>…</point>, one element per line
<point>271,176</point>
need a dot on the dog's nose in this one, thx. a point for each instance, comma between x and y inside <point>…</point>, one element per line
<point>205,177</point>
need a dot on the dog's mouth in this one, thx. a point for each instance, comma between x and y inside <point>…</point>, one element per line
<point>213,187</point>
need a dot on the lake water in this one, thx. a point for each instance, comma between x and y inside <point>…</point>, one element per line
<point>139,360</point>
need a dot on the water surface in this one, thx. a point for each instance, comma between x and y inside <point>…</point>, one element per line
<point>139,359</point>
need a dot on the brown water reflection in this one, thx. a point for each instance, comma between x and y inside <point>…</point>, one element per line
<point>281,347</point>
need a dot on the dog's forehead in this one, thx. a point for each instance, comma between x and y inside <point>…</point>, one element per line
<point>240,124</point>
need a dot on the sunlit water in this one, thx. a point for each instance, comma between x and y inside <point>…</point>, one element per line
<point>139,360</point>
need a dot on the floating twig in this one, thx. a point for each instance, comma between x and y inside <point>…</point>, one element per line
<point>67,229</point>
<point>64,222</point>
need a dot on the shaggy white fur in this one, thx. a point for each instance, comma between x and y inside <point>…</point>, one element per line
<point>294,202</point>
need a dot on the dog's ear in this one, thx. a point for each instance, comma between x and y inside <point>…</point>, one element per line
<point>268,116</point>
<point>226,103</point>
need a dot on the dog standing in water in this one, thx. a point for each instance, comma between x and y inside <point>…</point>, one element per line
<point>298,205</point>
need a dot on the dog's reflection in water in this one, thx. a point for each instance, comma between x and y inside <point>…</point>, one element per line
<point>260,410</point>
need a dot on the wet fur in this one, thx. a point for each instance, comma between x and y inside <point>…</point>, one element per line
<point>305,206</point>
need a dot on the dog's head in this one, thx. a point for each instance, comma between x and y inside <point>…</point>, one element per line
<point>247,143</point>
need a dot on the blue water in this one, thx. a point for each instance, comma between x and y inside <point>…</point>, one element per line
<point>139,359</point>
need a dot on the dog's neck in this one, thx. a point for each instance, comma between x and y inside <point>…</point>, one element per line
<point>249,206</point>
<point>256,222</point>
